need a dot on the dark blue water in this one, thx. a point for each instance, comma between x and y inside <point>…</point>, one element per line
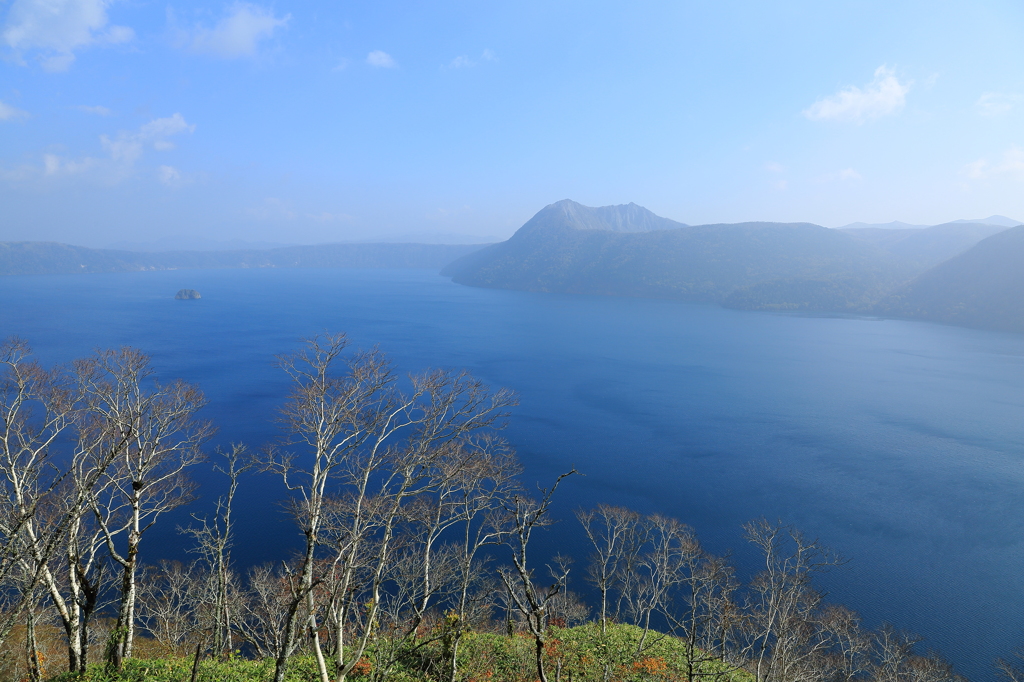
<point>899,444</point>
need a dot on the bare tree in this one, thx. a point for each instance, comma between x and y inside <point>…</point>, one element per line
<point>532,601</point>
<point>42,507</point>
<point>35,412</point>
<point>782,632</point>
<point>383,449</point>
<point>264,611</point>
<point>169,604</point>
<point>475,489</point>
<point>149,476</point>
<point>1011,670</point>
<point>472,480</point>
<point>616,533</point>
<point>849,656</point>
<point>703,614</point>
<point>214,539</point>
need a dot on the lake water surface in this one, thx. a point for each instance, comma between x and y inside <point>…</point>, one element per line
<point>899,444</point>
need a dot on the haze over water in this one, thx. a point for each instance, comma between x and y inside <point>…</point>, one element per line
<point>898,444</point>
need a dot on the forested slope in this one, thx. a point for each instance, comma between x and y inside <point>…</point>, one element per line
<point>926,247</point>
<point>628,251</point>
<point>983,287</point>
<point>748,265</point>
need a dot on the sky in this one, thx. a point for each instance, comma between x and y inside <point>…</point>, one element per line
<point>132,120</point>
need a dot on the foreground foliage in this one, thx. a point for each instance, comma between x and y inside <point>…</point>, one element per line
<point>583,654</point>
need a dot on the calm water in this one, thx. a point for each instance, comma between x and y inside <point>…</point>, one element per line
<point>898,444</point>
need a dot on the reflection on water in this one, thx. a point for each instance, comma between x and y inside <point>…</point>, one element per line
<point>898,444</point>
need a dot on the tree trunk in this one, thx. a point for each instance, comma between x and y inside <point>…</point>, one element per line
<point>292,619</point>
<point>542,675</point>
<point>35,673</point>
<point>124,632</point>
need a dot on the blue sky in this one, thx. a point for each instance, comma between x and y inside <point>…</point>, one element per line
<point>325,121</point>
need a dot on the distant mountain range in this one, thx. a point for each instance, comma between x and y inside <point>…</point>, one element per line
<point>999,220</point>
<point>629,251</point>
<point>47,258</point>
<point>201,243</point>
<point>964,272</point>
<point>924,248</point>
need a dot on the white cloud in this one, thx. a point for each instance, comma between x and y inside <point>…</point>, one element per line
<point>169,175</point>
<point>996,103</point>
<point>9,113</point>
<point>55,165</point>
<point>464,61</point>
<point>774,167</point>
<point>239,33</point>
<point>381,59</point>
<point>883,96</point>
<point>123,151</point>
<point>56,28</point>
<point>1012,164</point>
<point>97,110</point>
<point>342,65</point>
<point>128,146</point>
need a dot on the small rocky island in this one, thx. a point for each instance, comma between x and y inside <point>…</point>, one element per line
<point>187,295</point>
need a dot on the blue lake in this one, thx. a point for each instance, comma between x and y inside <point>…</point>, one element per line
<point>899,444</point>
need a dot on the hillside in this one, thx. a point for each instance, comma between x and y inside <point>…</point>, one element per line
<point>796,266</point>
<point>49,258</point>
<point>926,247</point>
<point>982,287</point>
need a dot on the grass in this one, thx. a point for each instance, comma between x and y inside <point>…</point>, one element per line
<point>578,654</point>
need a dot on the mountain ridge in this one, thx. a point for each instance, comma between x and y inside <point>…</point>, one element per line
<point>51,258</point>
<point>568,248</point>
<point>982,287</point>
<point>557,250</point>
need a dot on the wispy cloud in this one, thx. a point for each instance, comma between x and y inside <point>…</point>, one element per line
<point>465,61</point>
<point>996,103</point>
<point>123,151</point>
<point>883,96</point>
<point>239,32</point>
<point>1012,164</point>
<point>97,110</point>
<point>169,175</point>
<point>843,175</point>
<point>380,59</point>
<point>774,167</point>
<point>9,113</point>
<point>128,146</point>
<point>326,217</point>
<point>57,28</point>
<point>55,165</point>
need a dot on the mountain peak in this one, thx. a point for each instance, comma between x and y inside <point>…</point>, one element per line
<point>621,218</point>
